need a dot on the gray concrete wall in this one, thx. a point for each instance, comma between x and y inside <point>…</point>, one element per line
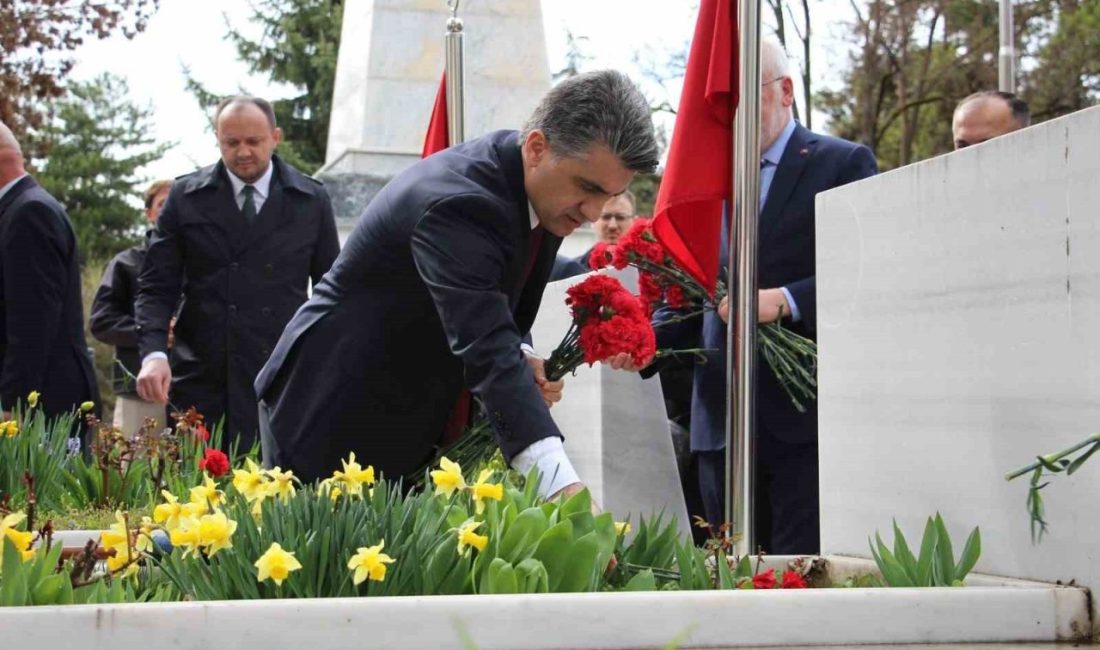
<point>959,318</point>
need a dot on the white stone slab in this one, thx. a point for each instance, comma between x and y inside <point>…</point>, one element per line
<point>1028,613</point>
<point>614,423</point>
<point>959,325</point>
<point>390,64</point>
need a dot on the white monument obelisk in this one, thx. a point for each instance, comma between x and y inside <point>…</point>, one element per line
<point>388,72</point>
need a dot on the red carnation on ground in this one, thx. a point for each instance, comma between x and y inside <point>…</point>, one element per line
<point>765,580</point>
<point>214,462</point>
<point>792,580</point>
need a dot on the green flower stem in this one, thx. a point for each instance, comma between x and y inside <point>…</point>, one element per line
<point>1055,457</point>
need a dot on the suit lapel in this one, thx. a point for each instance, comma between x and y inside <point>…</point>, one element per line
<point>15,192</point>
<point>791,165</point>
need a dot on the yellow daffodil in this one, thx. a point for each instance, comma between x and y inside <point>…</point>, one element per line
<point>216,532</point>
<point>186,535</point>
<point>468,539</point>
<point>86,407</point>
<point>354,476</point>
<point>207,493</point>
<point>331,487</point>
<point>483,490</point>
<point>251,482</point>
<point>370,562</point>
<point>276,564</point>
<point>118,539</point>
<point>281,484</point>
<point>21,540</point>
<point>169,512</point>
<point>32,399</point>
<point>194,509</point>
<point>448,477</point>
<point>622,528</point>
<point>9,429</point>
<point>257,510</point>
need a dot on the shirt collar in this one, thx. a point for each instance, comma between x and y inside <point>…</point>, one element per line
<point>4,190</point>
<point>775,152</point>
<point>263,185</point>
<point>534,217</point>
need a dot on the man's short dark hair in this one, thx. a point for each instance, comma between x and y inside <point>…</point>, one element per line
<point>153,190</point>
<point>602,107</point>
<point>262,104</point>
<point>1021,114</point>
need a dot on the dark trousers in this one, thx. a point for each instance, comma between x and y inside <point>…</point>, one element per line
<point>786,497</point>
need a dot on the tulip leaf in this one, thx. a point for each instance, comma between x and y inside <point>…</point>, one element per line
<point>553,551</point>
<point>500,578</point>
<point>891,571</point>
<point>642,581</point>
<point>523,535</point>
<point>970,553</point>
<point>532,577</point>
<point>579,573</point>
<point>904,556</point>
<point>725,576</point>
<point>49,590</point>
<point>945,556</point>
<point>927,554</point>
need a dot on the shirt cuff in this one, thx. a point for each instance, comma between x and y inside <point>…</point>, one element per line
<point>795,314</point>
<point>555,470</point>
<point>154,355</point>
<point>528,350</point>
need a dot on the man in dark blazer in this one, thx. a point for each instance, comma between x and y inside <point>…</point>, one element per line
<point>796,165</point>
<point>437,284</point>
<point>112,321</point>
<point>42,345</point>
<point>241,240</point>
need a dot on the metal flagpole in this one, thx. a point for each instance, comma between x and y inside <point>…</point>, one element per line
<point>741,242</point>
<point>455,72</point>
<point>1006,58</point>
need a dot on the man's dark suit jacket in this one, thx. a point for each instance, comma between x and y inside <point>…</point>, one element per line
<point>427,296</point>
<point>42,345</point>
<point>112,317</point>
<point>810,164</point>
<point>569,267</point>
<point>241,284</point>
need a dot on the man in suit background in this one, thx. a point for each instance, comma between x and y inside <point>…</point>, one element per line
<point>241,240</point>
<point>42,345</point>
<point>986,115</point>
<point>796,165</point>
<point>616,217</point>
<point>437,284</point>
<point>112,321</point>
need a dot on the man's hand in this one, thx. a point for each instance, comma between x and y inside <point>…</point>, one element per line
<point>771,306</point>
<point>154,380</point>
<point>623,361</point>
<point>551,390</point>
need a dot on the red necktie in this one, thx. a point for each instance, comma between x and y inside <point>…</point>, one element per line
<point>460,415</point>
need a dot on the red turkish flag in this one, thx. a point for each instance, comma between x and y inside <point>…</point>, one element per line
<point>437,138</point>
<point>697,174</point>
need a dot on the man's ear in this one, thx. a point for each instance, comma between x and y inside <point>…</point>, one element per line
<point>535,147</point>
<point>277,135</point>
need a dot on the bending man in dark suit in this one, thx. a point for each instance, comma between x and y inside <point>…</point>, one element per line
<point>42,345</point>
<point>241,240</point>
<point>796,165</point>
<point>435,287</point>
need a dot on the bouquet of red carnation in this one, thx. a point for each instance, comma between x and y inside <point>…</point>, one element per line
<point>791,357</point>
<point>607,320</point>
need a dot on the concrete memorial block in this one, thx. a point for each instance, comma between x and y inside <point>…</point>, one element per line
<point>958,315</point>
<point>614,423</point>
<point>387,74</point>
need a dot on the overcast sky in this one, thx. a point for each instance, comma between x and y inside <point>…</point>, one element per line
<point>192,33</point>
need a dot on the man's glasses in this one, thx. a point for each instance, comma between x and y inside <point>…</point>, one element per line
<point>772,81</point>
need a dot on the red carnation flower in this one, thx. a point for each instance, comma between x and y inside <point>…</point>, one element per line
<point>792,580</point>
<point>764,580</point>
<point>600,257</point>
<point>201,432</point>
<point>638,244</point>
<point>214,462</point>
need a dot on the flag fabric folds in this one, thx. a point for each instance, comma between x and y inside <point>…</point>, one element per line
<point>697,178</point>
<point>437,138</point>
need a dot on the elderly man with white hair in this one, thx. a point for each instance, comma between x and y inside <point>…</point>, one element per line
<point>795,165</point>
<point>42,346</point>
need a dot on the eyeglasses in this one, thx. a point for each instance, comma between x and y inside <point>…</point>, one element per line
<point>772,81</point>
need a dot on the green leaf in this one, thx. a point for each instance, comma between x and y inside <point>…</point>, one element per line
<point>944,567</point>
<point>500,578</point>
<point>891,570</point>
<point>581,570</point>
<point>927,554</point>
<point>532,577</point>
<point>642,581</point>
<point>744,568</point>
<point>553,551</point>
<point>13,585</point>
<point>1080,460</point>
<point>904,556</point>
<point>49,590</point>
<point>579,502</point>
<point>970,553</point>
<point>523,535</point>
<point>725,576</point>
